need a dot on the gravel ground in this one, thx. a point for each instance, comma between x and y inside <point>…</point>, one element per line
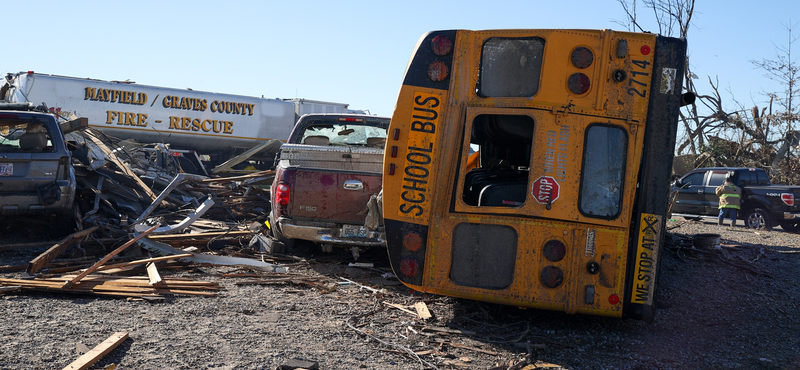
<point>735,308</point>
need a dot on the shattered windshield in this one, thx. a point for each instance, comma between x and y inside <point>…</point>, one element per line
<point>344,134</point>
<point>20,136</point>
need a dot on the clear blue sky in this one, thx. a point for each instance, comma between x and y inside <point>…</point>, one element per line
<point>351,52</point>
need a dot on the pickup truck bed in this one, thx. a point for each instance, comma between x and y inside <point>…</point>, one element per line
<point>321,190</point>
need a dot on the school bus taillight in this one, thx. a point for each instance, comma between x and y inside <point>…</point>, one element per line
<point>552,276</point>
<point>578,83</point>
<point>582,57</point>
<point>437,71</point>
<point>409,266</point>
<point>554,250</point>
<point>412,241</point>
<point>442,45</point>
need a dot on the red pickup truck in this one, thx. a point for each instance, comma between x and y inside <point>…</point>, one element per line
<point>325,175</point>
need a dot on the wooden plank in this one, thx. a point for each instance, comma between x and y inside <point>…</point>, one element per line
<point>422,310</point>
<point>125,169</point>
<point>152,274</point>
<point>141,262</point>
<point>274,144</point>
<point>102,349</point>
<point>399,307</point>
<point>74,125</point>
<point>37,263</point>
<point>109,256</point>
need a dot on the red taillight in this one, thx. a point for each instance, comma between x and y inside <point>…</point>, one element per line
<point>412,241</point>
<point>788,199</point>
<point>554,250</point>
<point>613,299</point>
<point>442,45</point>
<point>391,169</point>
<point>552,277</point>
<point>282,193</point>
<point>645,50</point>
<point>578,83</point>
<point>396,134</point>
<point>437,71</point>
<point>409,266</point>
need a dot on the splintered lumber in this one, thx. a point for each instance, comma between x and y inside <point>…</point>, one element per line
<point>102,349</point>
<point>273,144</point>
<point>109,256</point>
<point>422,310</point>
<point>239,178</point>
<point>37,263</point>
<point>152,273</point>
<point>124,168</point>
<point>400,307</point>
<point>119,286</point>
<point>141,262</point>
<point>74,125</point>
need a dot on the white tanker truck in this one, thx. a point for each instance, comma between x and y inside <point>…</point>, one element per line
<point>218,126</point>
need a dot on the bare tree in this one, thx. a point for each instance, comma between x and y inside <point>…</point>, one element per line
<point>714,135</point>
<point>784,70</point>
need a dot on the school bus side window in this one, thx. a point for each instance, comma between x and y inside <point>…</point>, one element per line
<point>603,171</point>
<point>510,67</point>
<point>497,173</point>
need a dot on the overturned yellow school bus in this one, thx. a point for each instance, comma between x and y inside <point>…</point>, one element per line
<point>531,167</point>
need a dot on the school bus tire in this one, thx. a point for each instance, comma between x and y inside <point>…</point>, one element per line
<point>757,218</point>
<point>276,233</point>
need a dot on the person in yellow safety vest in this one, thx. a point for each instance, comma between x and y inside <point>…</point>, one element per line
<point>730,197</point>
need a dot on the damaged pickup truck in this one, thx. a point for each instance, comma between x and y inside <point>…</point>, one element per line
<point>327,174</point>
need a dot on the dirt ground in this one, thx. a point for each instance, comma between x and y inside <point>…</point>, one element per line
<point>735,308</point>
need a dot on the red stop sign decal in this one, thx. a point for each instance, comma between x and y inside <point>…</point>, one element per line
<point>545,189</point>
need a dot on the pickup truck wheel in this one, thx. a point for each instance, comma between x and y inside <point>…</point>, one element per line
<point>757,218</point>
<point>790,226</point>
<point>273,228</point>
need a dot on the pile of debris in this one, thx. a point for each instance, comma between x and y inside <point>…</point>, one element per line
<point>122,183</point>
<point>141,193</point>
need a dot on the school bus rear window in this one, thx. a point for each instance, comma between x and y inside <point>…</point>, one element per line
<point>510,67</point>
<point>498,166</point>
<point>603,171</point>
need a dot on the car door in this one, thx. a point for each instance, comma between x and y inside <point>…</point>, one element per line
<point>690,198</point>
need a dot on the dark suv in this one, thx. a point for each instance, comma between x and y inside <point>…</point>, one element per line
<point>36,174</point>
